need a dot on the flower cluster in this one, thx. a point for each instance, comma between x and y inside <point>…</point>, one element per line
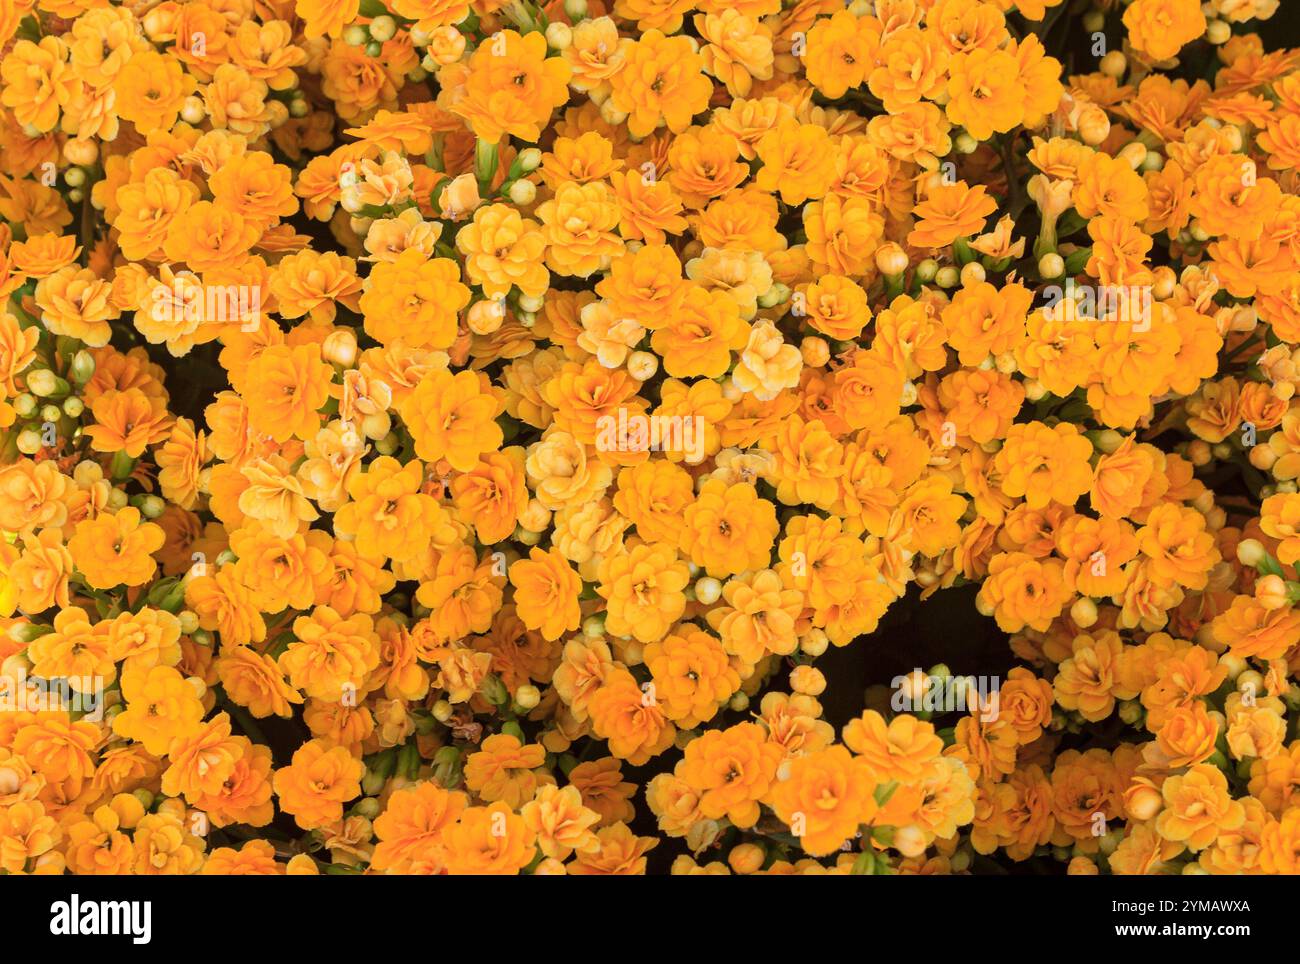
<point>443,436</point>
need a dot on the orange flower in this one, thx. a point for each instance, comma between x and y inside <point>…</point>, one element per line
<point>578,228</point>
<point>38,578</point>
<point>1178,545</point>
<point>492,494</point>
<point>410,828</point>
<point>287,387</point>
<point>128,421</point>
<point>33,495</point>
<point>843,234</point>
<point>503,769</point>
<point>414,299</point>
<point>561,821</point>
<point>1188,736</point>
<point>1280,518</point>
<point>691,676</point>
<point>797,161</point>
<point>732,770</point>
<point>1043,464</point>
<point>76,303</point>
<point>114,550</point>
<point>38,82</point>
<point>254,680</point>
<point>513,87</point>
<point>316,784</point>
<point>898,750</point>
<point>488,840</point>
<point>1022,591</point>
<point>452,417</point>
<point>620,852</point>
<point>826,797</point>
<point>1160,28</point>
<point>546,593</point>
<point>630,719</point>
<point>208,236</point>
<point>808,462</point>
<point>1249,629</point>
<point>331,655</point>
<point>836,306</point>
<point>729,529</point>
<point>180,462</point>
<point>643,588</point>
<point>503,249</point>
<point>1087,680</point>
<point>463,594</point>
<point>1198,807</point>
<point>202,761</point>
<point>662,82</point>
<point>841,50</point>
<point>326,17</point>
<point>949,212</point>
<point>160,707</point>
<point>26,834</point>
<point>389,517</point>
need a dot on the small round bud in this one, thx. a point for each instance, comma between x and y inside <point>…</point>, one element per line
<point>1083,612</point>
<point>807,680</point>
<point>642,365</point>
<point>816,351</point>
<point>891,259</point>
<point>746,858</point>
<point>151,507</point>
<point>910,841</point>
<point>559,35</point>
<point>972,274</point>
<point>377,425</point>
<point>354,35</point>
<point>1251,552</point>
<point>340,347</point>
<point>1144,802</point>
<point>708,590</point>
<point>193,111</point>
<point>1051,265</point>
<point>523,192</point>
<point>530,159</point>
<point>25,405</point>
<point>383,28</point>
<point>1271,592</point>
<point>81,151</point>
<point>528,696</point>
<point>1113,64</point>
<point>42,382</point>
<point>815,643</point>
<point>485,317</point>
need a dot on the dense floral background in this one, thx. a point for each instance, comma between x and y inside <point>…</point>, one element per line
<point>659,436</point>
